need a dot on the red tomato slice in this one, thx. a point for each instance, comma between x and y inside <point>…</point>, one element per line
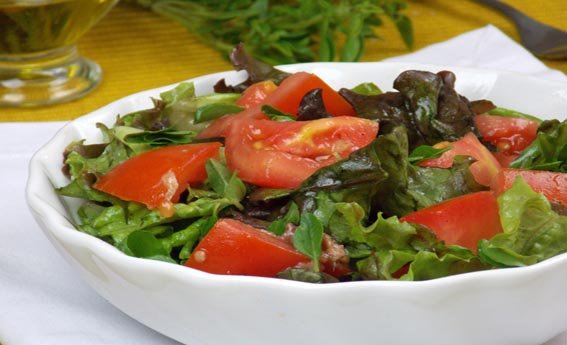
<point>291,91</point>
<point>283,154</point>
<point>232,247</point>
<point>552,184</point>
<point>285,97</point>
<point>463,220</point>
<point>505,159</point>
<point>483,170</point>
<point>222,126</point>
<point>508,134</point>
<point>156,178</point>
<point>256,94</point>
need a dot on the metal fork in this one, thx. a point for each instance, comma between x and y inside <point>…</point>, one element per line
<point>542,40</point>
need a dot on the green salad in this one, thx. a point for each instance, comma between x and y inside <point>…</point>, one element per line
<point>283,176</point>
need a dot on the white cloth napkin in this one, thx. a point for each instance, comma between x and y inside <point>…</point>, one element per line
<point>487,47</point>
<point>43,300</point>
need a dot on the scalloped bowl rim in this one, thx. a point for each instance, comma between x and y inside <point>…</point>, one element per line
<point>58,221</point>
<point>58,225</point>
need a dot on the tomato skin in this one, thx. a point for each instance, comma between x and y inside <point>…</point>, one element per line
<point>286,97</point>
<point>462,220</point>
<point>283,154</point>
<point>256,94</point>
<point>221,127</point>
<point>509,135</point>
<point>232,247</point>
<point>483,170</point>
<point>505,159</point>
<point>292,89</point>
<point>552,184</point>
<point>142,178</point>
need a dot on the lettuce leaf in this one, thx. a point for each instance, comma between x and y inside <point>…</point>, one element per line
<point>177,110</point>
<point>392,245</point>
<point>548,151</point>
<point>532,232</point>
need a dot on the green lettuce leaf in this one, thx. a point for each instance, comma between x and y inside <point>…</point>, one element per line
<point>409,188</point>
<point>394,245</point>
<point>180,109</point>
<point>548,151</point>
<point>532,230</point>
<point>144,244</point>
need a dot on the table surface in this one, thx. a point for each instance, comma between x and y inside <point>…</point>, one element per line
<point>140,50</point>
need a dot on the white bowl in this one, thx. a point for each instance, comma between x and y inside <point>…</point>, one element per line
<point>507,306</point>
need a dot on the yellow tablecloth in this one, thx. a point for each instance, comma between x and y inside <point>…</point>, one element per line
<point>139,50</point>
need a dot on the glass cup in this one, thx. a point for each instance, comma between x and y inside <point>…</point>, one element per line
<point>39,62</point>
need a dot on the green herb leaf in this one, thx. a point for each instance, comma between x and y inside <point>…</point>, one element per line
<point>284,32</point>
<point>225,183</point>
<point>276,115</point>
<point>213,111</point>
<point>308,238</point>
<point>424,152</point>
<point>367,89</point>
<point>512,113</point>
<point>291,217</point>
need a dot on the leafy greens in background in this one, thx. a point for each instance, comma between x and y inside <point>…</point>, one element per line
<point>283,32</point>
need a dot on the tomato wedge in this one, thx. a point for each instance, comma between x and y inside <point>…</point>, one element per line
<point>462,220</point>
<point>232,247</point>
<point>509,135</point>
<point>256,94</point>
<point>283,154</point>
<point>292,89</point>
<point>156,178</point>
<point>286,97</point>
<point>483,170</point>
<point>552,184</point>
<point>505,159</point>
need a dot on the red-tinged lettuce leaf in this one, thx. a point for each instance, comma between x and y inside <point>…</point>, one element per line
<point>426,104</point>
<point>257,71</point>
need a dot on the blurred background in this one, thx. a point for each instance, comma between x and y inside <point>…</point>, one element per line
<point>139,49</point>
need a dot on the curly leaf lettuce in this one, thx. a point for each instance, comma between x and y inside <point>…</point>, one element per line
<point>390,249</point>
<point>532,230</point>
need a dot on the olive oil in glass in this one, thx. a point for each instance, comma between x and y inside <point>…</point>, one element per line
<point>39,63</point>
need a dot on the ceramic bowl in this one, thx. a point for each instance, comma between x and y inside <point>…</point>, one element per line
<point>505,306</point>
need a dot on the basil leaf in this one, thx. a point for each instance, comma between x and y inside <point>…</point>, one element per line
<point>276,115</point>
<point>225,183</point>
<point>512,113</point>
<point>367,89</point>
<point>213,111</point>
<point>424,152</point>
<point>292,216</point>
<point>308,238</point>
